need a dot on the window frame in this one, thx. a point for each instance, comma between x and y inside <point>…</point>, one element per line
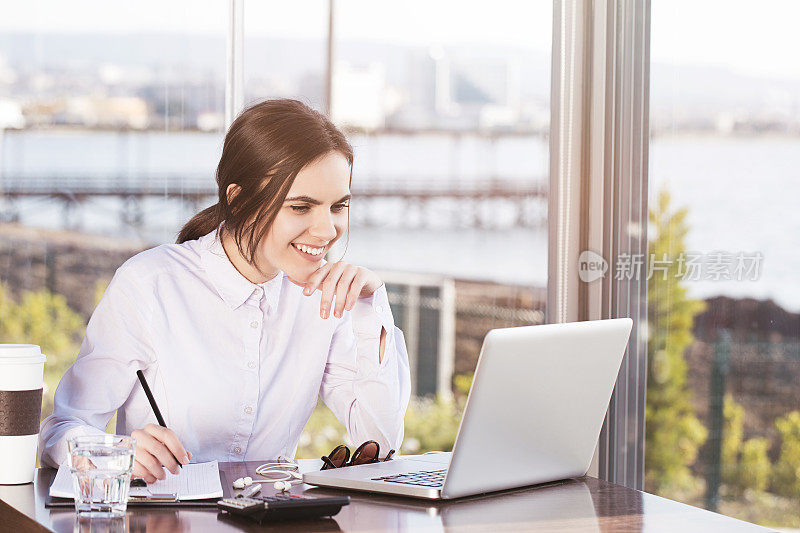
<point>599,142</point>
<point>599,135</point>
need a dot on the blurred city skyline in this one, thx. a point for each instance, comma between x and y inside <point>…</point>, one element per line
<point>682,33</point>
<point>152,66</point>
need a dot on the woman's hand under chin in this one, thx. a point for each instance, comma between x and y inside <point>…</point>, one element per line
<point>346,282</point>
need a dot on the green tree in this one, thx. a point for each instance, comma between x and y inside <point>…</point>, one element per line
<point>786,475</point>
<point>673,432</point>
<point>43,318</point>
<point>745,464</point>
<point>754,466</point>
<point>732,433</point>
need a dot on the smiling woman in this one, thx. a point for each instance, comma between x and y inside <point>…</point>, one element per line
<point>310,220</point>
<point>231,310</point>
<point>266,148</point>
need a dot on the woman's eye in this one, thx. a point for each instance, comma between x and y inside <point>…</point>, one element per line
<point>339,207</point>
<point>300,208</point>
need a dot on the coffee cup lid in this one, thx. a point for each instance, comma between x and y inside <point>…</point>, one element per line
<point>21,353</point>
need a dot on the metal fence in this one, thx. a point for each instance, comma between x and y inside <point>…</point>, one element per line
<point>768,365</point>
<point>426,309</point>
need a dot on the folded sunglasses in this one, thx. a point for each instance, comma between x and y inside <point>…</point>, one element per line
<point>368,452</point>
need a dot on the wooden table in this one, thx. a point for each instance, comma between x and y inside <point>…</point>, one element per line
<point>585,504</point>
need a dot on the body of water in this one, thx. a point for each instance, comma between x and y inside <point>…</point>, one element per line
<point>741,195</point>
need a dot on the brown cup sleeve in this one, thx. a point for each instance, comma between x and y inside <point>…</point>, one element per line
<point>20,411</point>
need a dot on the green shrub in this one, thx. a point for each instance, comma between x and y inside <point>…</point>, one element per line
<point>45,319</point>
<point>322,433</point>
<point>786,475</point>
<point>754,466</point>
<point>432,424</point>
<point>732,432</point>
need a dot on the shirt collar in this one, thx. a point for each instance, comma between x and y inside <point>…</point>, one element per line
<point>231,285</point>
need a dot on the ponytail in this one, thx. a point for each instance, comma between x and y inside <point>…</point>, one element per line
<point>201,224</point>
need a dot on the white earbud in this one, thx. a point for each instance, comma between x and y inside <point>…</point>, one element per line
<point>283,486</point>
<point>242,482</point>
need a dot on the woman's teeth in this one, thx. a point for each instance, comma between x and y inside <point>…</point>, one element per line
<point>309,249</point>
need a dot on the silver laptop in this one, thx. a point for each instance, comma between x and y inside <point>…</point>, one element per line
<point>533,415</point>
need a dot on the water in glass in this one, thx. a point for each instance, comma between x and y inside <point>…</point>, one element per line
<point>101,472</point>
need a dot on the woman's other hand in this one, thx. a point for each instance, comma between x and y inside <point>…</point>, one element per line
<point>346,282</point>
<point>157,447</point>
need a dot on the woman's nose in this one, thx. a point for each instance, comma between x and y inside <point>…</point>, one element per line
<point>323,227</point>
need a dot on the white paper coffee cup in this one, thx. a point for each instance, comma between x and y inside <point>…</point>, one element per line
<point>21,375</point>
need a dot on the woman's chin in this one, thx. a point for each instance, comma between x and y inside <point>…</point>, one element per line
<point>299,276</point>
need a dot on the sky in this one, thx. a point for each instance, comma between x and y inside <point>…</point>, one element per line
<point>751,37</point>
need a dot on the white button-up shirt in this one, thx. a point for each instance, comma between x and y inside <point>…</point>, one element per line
<point>235,367</point>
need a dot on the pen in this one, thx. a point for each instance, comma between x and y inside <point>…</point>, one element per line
<point>153,404</point>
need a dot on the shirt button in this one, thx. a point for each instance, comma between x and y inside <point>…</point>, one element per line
<point>254,324</point>
<point>237,451</point>
<point>251,364</point>
<point>248,410</point>
<point>379,309</point>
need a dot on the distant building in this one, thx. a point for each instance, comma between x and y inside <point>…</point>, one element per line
<point>359,96</point>
<point>210,121</point>
<point>101,111</point>
<point>487,90</point>
<point>461,92</point>
<point>11,114</point>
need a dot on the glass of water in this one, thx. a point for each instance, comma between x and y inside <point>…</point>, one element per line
<point>101,467</point>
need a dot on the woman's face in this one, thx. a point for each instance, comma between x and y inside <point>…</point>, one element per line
<point>311,219</point>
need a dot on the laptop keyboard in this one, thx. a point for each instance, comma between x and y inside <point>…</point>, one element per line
<point>424,478</point>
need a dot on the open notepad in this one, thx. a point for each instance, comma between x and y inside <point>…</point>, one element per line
<point>195,481</point>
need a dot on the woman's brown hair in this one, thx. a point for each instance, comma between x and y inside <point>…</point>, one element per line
<point>264,149</point>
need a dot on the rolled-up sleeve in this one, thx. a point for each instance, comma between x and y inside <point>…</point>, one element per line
<point>369,395</point>
<point>115,346</point>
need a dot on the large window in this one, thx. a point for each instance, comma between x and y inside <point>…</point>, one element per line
<point>448,114</point>
<point>723,427</point>
<point>111,122</point>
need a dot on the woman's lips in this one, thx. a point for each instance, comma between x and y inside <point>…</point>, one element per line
<point>308,256</point>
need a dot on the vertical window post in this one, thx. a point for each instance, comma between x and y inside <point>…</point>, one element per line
<point>234,64</point>
<point>598,198</point>
<point>329,59</point>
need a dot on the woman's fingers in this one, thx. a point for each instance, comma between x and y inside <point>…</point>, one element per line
<point>316,278</point>
<point>153,457</point>
<point>170,440</point>
<point>151,469</point>
<point>140,470</point>
<point>144,443</point>
<point>355,289</point>
<point>347,283</point>
<point>157,446</point>
<point>343,289</point>
<point>164,456</point>
<point>329,288</point>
